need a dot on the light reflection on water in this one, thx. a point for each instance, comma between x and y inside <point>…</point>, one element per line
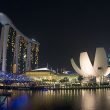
<point>60,100</point>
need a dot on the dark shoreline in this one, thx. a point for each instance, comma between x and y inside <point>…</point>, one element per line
<point>52,88</point>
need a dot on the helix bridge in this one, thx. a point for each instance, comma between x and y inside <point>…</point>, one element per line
<point>13,78</point>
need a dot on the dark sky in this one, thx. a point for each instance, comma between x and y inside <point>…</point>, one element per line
<point>64,29</point>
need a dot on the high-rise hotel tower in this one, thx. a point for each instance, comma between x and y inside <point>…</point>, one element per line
<point>18,53</point>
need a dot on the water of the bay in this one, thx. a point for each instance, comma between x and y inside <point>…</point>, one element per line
<point>98,99</point>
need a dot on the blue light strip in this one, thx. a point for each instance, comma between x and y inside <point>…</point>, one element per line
<point>13,77</point>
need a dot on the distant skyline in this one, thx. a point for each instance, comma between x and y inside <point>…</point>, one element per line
<point>63,29</point>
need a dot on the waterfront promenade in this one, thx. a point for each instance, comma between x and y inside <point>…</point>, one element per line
<point>42,87</point>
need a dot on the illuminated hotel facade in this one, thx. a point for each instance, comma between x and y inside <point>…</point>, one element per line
<point>18,53</point>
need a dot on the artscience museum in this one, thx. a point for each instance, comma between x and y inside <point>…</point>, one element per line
<point>99,69</point>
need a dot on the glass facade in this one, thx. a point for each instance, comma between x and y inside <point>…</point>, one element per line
<point>109,59</point>
<point>10,49</point>
<point>34,56</point>
<point>22,55</point>
<point>0,29</point>
<point>0,45</point>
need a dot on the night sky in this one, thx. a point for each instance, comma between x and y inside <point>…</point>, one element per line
<point>64,29</point>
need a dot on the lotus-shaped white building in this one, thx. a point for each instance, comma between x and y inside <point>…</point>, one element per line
<point>98,69</point>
